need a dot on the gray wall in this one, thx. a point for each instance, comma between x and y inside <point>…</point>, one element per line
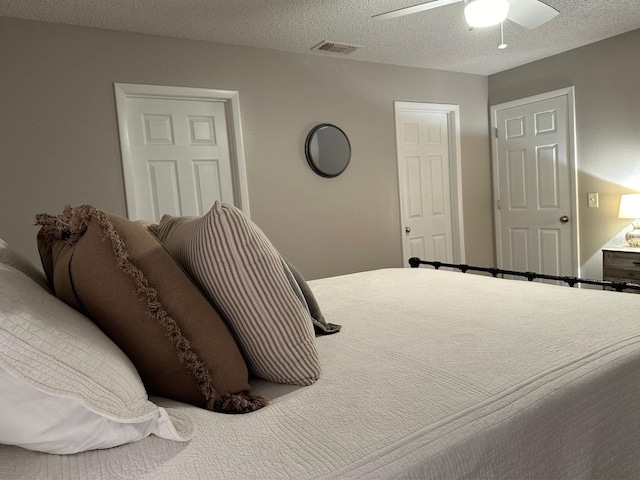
<point>60,141</point>
<point>606,76</point>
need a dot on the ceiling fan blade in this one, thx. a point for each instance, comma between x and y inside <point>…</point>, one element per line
<point>530,13</point>
<point>401,12</point>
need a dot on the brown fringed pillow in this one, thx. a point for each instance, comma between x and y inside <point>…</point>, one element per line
<point>118,274</point>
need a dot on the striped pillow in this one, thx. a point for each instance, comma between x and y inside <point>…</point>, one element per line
<point>244,276</point>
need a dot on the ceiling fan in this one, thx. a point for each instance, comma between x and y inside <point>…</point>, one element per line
<point>485,13</point>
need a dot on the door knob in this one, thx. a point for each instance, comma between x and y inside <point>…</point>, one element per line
<point>564,219</point>
<point>407,229</point>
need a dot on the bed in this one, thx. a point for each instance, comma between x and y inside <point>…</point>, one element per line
<point>434,375</point>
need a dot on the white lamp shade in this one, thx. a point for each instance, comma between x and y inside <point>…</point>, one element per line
<point>629,206</point>
<point>485,13</point>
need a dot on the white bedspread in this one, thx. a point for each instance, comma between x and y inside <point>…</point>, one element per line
<point>434,375</point>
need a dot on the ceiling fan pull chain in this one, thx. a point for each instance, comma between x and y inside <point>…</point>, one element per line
<point>502,45</point>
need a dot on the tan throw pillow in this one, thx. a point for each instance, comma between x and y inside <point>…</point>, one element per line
<point>244,275</point>
<point>321,326</point>
<point>121,277</point>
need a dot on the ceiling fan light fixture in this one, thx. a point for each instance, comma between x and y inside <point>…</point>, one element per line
<point>485,13</point>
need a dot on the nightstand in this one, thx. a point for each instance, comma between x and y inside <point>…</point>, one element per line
<point>621,264</point>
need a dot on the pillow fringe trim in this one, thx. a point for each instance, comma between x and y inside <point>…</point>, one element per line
<point>70,225</point>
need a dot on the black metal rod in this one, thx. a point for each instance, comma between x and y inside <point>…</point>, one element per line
<point>618,286</point>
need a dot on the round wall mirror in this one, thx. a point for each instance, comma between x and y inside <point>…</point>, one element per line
<point>328,150</point>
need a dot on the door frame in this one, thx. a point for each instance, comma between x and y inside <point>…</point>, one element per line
<point>572,160</point>
<point>455,170</point>
<point>230,98</point>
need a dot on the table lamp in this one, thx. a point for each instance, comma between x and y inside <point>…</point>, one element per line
<point>630,208</point>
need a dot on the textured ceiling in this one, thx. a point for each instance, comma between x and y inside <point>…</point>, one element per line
<point>437,38</point>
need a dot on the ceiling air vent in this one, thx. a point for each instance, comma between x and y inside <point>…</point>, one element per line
<point>335,47</point>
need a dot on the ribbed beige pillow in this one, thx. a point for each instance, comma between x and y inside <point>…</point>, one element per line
<point>244,276</point>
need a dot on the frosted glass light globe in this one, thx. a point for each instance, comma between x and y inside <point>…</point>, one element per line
<point>485,13</point>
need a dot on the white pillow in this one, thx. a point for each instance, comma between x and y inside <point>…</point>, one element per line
<point>64,386</point>
<point>43,422</point>
<point>10,257</point>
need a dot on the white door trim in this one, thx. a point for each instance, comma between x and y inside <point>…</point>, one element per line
<point>229,97</point>
<point>455,169</point>
<point>569,92</point>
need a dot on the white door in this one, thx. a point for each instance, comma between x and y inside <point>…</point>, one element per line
<point>176,155</point>
<point>534,186</point>
<point>429,202</point>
